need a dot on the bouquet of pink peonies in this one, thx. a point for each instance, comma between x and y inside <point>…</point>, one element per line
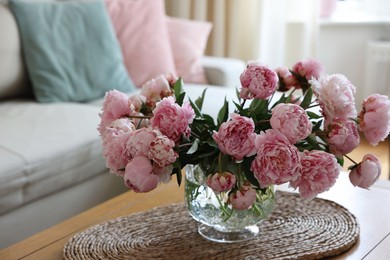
<point>288,126</point>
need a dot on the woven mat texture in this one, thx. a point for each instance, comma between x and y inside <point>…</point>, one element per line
<point>297,229</point>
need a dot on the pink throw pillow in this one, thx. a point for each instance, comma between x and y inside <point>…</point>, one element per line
<point>142,33</point>
<point>188,41</point>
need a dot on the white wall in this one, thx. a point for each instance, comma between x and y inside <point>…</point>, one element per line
<point>342,47</point>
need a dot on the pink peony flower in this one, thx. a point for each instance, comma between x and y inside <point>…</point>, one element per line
<point>277,160</point>
<point>221,181</point>
<point>243,198</point>
<point>343,137</point>
<point>292,121</point>
<point>236,137</point>
<point>308,68</point>
<point>114,150</point>
<point>374,119</point>
<point>156,89</point>
<point>115,105</point>
<point>138,142</point>
<point>286,79</point>
<point>161,151</point>
<point>366,173</point>
<point>319,172</point>
<point>335,95</point>
<point>171,119</point>
<point>258,81</point>
<point>138,175</point>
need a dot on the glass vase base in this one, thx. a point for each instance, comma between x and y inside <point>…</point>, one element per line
<point>215,235</point>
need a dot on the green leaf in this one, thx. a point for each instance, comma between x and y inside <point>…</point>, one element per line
<point>307,98</point>
<point>238,95</point>
<point>194,146</point>
<point>177,170</point>
<point>210,121</point>
<point>178,177</point>
<point>317,126</point>
<point>199,100</point>
<point>341,161</point>
<point>312,115</point>
<point>258,107</point>
<point>281,100</point>
<point>312,140</point>
<point>223,113</point>
<point>178,87</point>
<point>180,98</point>
<point>246,168</point>
<point>198,113</point>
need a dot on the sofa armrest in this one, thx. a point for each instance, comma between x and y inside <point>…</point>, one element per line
<point>222,71</point>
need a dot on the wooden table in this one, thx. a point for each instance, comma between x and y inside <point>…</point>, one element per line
<point>372,209</point>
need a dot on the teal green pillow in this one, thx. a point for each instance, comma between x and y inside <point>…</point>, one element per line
<point>70,49</point>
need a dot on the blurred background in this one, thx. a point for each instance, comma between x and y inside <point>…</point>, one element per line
<point>351,37</point>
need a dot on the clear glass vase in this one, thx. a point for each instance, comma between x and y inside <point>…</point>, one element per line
<point>217,220</point>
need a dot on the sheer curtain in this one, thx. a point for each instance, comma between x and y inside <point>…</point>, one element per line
<point>276,32</point>
<point>235,24</point>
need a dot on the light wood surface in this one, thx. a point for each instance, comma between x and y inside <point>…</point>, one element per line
<point>372,209</point>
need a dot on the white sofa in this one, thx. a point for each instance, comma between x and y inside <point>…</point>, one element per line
<point>51,164</point>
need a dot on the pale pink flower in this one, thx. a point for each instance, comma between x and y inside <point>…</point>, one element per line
<point>139,175</point>
<point>243,198</point>
<point>319,172</point>
<point>366,172</point>
<point>343,137</point>
<point>114,150</point>
<point>156,89</point>
<point>277,160</point>
<point>115,105</point>
<point>161,151</point>
<point>140,120</point>
<point>171,119</point>
<point>308,68</point>
<point>164,173</point>
<point>124,124</point>
<point>286,78</point>
<point>137,101</point>
<point>374,119</point>
<point>236,137</point>
<point>292,121</point>
<point>221,181</point>
<point>138,142</point>
<point>335,94</point>
<point>258,81</point>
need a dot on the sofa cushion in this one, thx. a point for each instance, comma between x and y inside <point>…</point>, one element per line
<point>188,40</point>
<point>71,50</point>
<point>141,29</point>
<point>44,147</point>
<point>12,69</point>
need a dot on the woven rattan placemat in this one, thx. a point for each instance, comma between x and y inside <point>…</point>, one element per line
<point>297,229</point>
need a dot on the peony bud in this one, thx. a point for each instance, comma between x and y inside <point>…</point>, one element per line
<point>366,173</point>
<point>243,198</point>
<point>221,181</point>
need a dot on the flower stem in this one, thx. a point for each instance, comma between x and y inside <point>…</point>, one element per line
<point>315,105</point>
<point>243,103</point>
<point>349,158</point>
<point>141,117</point>
<point>222,207</point>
